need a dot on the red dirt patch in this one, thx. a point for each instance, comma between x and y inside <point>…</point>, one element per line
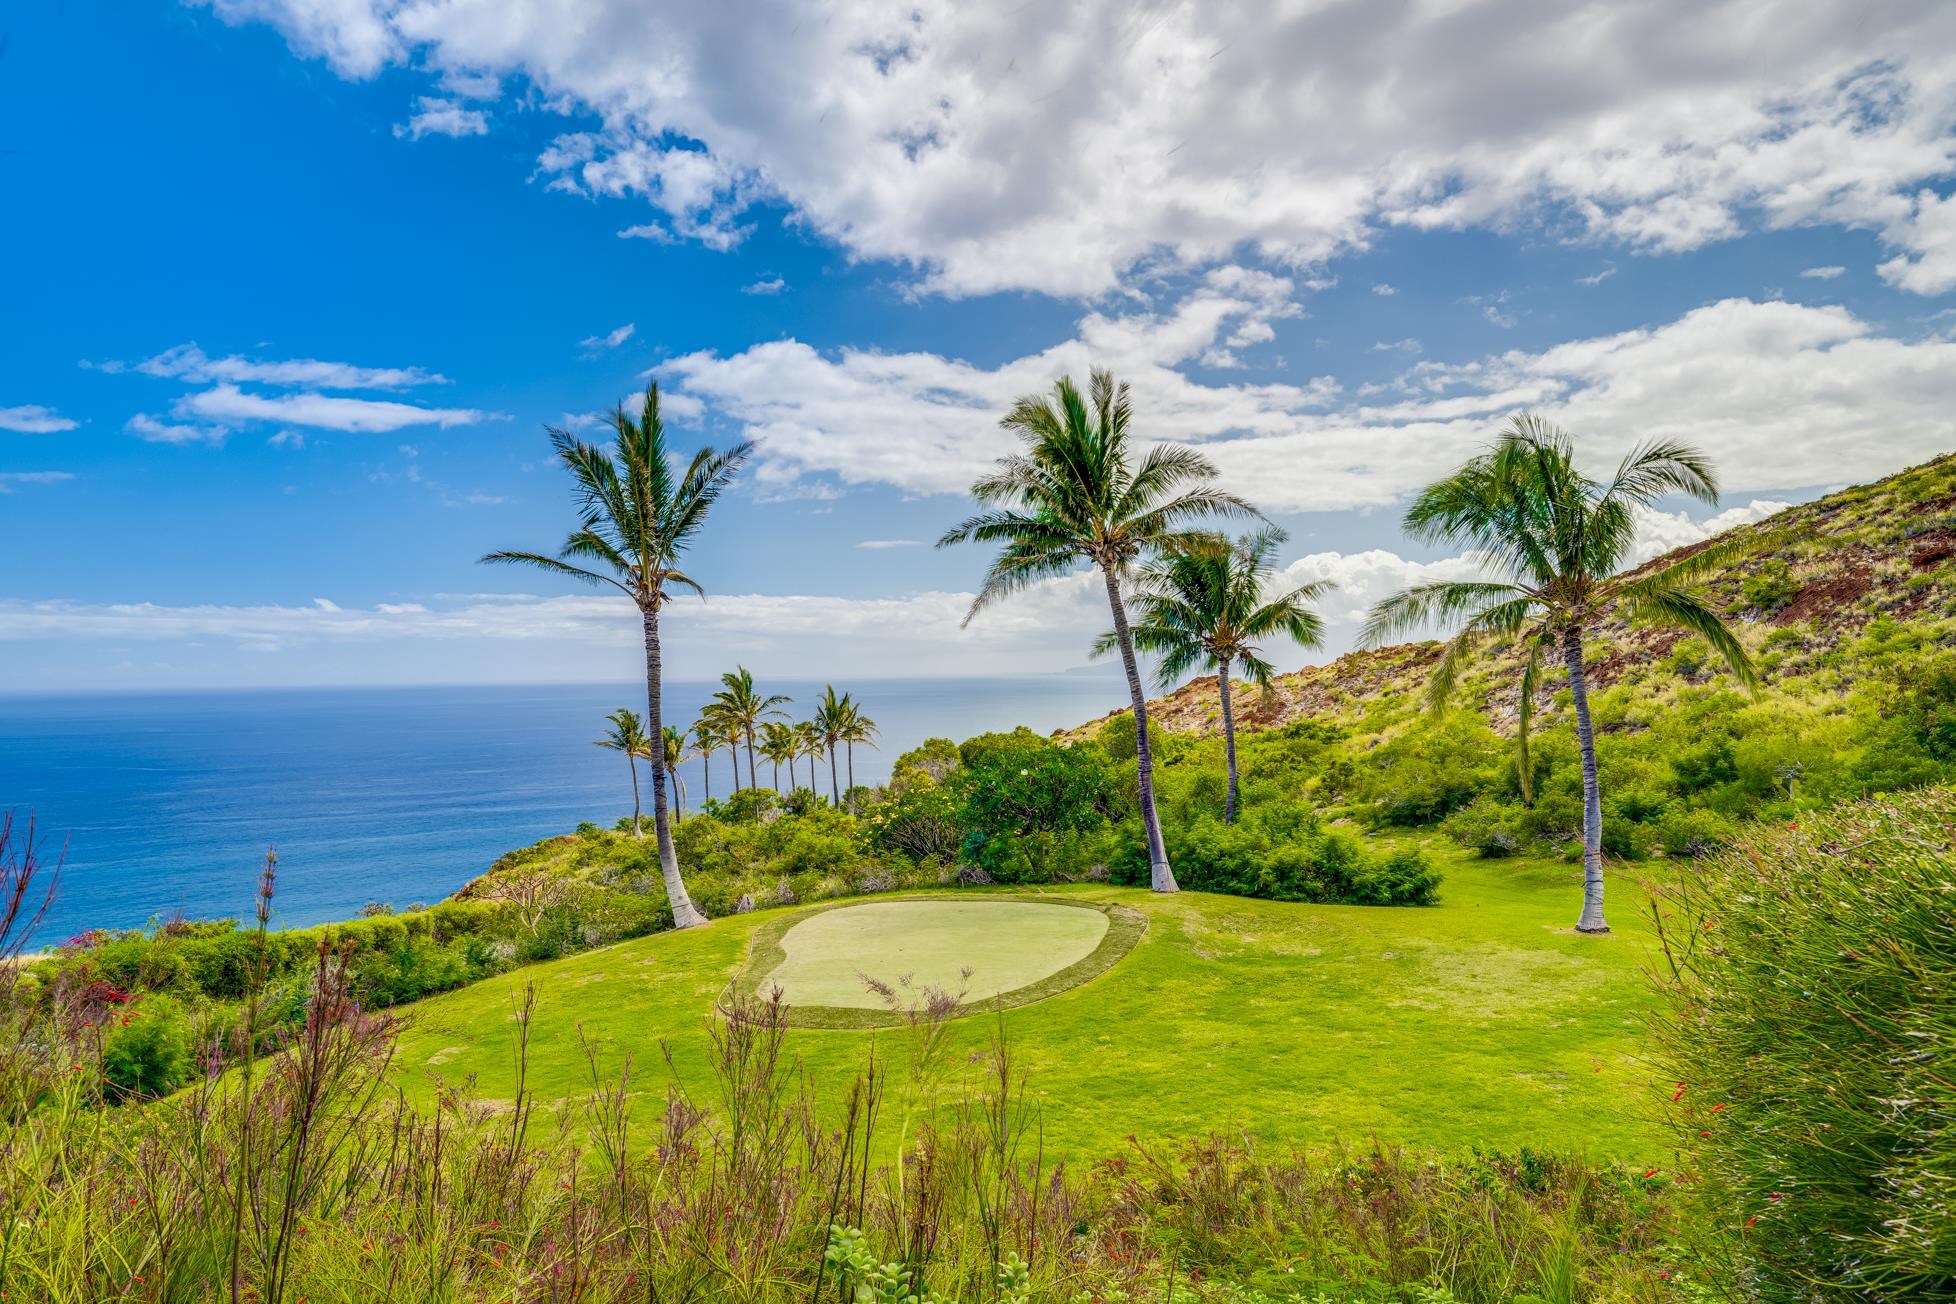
<point>1825,596</point>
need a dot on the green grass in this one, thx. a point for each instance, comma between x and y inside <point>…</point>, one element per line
<point>979,946</point>
<point>1484,1020</point>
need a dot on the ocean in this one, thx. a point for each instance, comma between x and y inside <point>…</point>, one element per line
<point>161,804</point>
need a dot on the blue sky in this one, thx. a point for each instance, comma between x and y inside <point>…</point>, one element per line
<point>294,288</point>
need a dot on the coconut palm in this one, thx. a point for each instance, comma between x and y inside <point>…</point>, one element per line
<point>1207,607</point>
<point>856,728</point>
<point>1072,495</point>
<point>673,754</point>
<point>717,730</point>
<point>745,708</point>
<point>831,722</point>
<point>808,736</point>
<point>628,736</point>
<point>1560,541</point>
<point>639,513</point>
<point>707,740</point>
<point>779,745</point>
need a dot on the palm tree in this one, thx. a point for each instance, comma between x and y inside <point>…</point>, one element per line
<point>639,513</point>
<point>1072,496</point>
<point>1560,540</point>
<point>1206,607</point>
<point>706,741</point>
<point>778,744</point>
<point>831,721</point>
<point>745,708</point>
<point>715,730</point>
<point>808,736</point>
<point>856,728</point>
<point>628,736</point>
<point>673,754</point>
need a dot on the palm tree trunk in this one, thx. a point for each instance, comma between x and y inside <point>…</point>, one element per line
<point>835,793</point>
<point>632,761</point>
<point>706,773</point>
<point>733,755</point>
<point>753,780</point>
<point>684,913</point>
<point>852,776</point>
<point>678,790</point>
<point>1229,740</point>
<point>1592,798</point>
<point>777,775</point>
<point>1160,876</point>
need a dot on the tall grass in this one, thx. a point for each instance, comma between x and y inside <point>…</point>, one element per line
<point>1811,983</point>
<point>294,1171</point>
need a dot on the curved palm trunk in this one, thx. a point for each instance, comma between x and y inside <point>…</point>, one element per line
<point>1592,799</point>
<point>678,790</point>
<point>637,830</point>
<point>684,913</point>
<point>835,792</point>
<point>1160,876</point>
<point>1229,740</point>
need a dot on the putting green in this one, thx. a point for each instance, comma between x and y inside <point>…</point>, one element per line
<point>989,950</point>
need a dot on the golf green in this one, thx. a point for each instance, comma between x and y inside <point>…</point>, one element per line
<point>974,949</point>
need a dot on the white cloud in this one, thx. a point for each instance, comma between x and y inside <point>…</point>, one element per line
<point>1823,273</point>
<point>189,363</point>
<point>1781,395</point>
<point>611,339</point>
<point>880,545</point>
<point>324,411</point>
<point>434,116</point>
<point>10,479</point>
<point>1598,277</point>
<point>1024,148</point>
<point>151,430</point>
<point>772,285</point>
<point>32,419</point>
<point>1660,532</point>
<point>1927,238</point>
<point>1384,290</point>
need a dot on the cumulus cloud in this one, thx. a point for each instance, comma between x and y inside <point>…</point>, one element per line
<point>1927,239</point>
<point>771,285</point>
<point>435,116</point>
<point>151,430</point>
<point>189,363</point>
<point>1054,151</point>
<point>1827,273</point>
<point>228,403</point>
<point>32,419</point>
<point>1781,395</point>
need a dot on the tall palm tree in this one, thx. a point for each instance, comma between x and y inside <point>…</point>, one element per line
<point>808,735</point>
<point>856,728</point>
<point>1207,607</point>
<point>778,744</point>
<point>1560,540</point>
<point>1073,495</point>
<point>639,513</point>
<point>673,754</point>
<point>744,707</point>
<point>707,740</point>
<point>831,721</point>
<point>628,736</point>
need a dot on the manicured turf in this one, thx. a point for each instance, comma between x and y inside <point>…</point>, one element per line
<point>1484,1021</point>
<point>979,947</point>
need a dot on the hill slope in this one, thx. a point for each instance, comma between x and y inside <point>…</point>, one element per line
<point>1804,589</point>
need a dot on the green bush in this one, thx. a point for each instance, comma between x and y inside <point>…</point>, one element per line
<point>147,1050</point>
<point>1771,587</point>
<point>1117,737</point>
<point>1693,832</point>
<point>1811,1022</point>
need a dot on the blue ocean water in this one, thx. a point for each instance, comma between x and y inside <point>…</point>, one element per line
<point>167,802</point>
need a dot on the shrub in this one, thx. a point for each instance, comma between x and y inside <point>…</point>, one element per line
<point>1811,1018</point>
<point>1118,739</point>
<point>1693,832</point>
<point>1771,587</point>
<point>147,1052</point>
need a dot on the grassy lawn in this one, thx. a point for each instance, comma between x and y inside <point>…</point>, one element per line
<point>1484,1020</point>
